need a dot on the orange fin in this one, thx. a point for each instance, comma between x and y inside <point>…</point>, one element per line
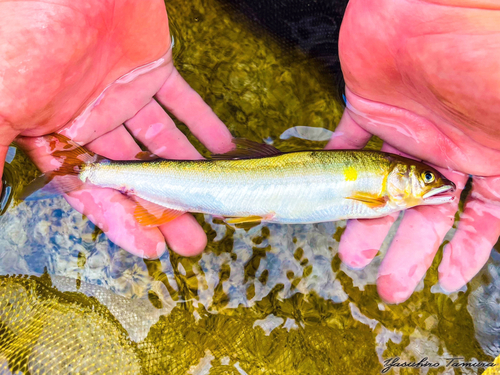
<point>246,149</point>
<point>65,178</point>
<point>71,155</point>
<point>371,200</point>
<point>146,156</point>
<point>247,219</point>
<point>151,214</point>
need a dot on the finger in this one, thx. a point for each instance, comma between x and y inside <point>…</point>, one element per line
<point>184,235</point>
<point>118,103</point>
<point>415,244</point>
<point>348,135</point>
<point>115,145</point>
<point>186,105</point>
<point>158,133</point>
<point>114,214</point>
<point>363,238</point>
<point>477,232</point>
<point>153,128</point>
<point>38,150</point>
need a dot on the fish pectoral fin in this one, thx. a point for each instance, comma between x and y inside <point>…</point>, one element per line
<point>247,149</point>
<point>151,214</point>
<point>371,200</point>
<point>241,220</point>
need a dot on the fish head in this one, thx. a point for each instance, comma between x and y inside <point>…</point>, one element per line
<point>411,183</point>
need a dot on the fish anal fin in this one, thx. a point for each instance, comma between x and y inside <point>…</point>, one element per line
<point>371,200</point>
<point>250,219</point>
<point>241,220</point>
<point>247,149</point>
<point>151,214</point>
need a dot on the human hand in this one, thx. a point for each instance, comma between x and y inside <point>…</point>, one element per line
<point>424,78</point>
<point>97,73</point>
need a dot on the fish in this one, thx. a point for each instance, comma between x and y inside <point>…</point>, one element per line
<point>255,183</point>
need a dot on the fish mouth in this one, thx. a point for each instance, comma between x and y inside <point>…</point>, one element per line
<point>440,195</point>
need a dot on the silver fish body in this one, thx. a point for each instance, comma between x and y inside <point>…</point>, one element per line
<point>299,187</point>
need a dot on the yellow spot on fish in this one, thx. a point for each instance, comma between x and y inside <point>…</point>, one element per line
<point>350,174</point>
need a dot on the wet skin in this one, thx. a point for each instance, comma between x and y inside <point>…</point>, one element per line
<point>425,77</point>
<point>57,57</point>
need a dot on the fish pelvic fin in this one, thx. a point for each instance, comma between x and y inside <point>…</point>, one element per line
<point>151,214</point>
<point>72,157</point>
<point>371,200</point>
<point>247,149</point>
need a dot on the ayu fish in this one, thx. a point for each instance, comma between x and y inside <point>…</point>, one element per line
<point>257,182</point>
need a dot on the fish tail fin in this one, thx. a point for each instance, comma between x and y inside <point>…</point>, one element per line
<point>72,158</point>
<point>71,155</point>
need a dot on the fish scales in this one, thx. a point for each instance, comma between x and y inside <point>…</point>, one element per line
<point>299,187</point>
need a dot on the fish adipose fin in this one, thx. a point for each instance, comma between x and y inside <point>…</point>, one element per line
<point>72,157</point>
<point>146,156</point>
<point>151,214</point>
<point>371,200</point>
<point>247,149</point>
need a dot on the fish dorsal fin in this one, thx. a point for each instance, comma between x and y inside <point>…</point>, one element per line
<point>151,214</point>
<point>247,149</point>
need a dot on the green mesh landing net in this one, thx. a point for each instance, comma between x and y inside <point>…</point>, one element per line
<point>46,331</point>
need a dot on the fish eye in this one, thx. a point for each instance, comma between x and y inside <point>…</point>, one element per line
<point>428,177</point>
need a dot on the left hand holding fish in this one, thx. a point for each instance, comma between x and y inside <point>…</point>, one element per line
<point>99,88</point>
<point>431,91</point>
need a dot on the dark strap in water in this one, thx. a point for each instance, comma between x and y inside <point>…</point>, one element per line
<point>311,25</point>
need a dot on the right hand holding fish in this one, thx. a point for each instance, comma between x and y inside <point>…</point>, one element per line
<point>99,88</point>
<point>429,89</point>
